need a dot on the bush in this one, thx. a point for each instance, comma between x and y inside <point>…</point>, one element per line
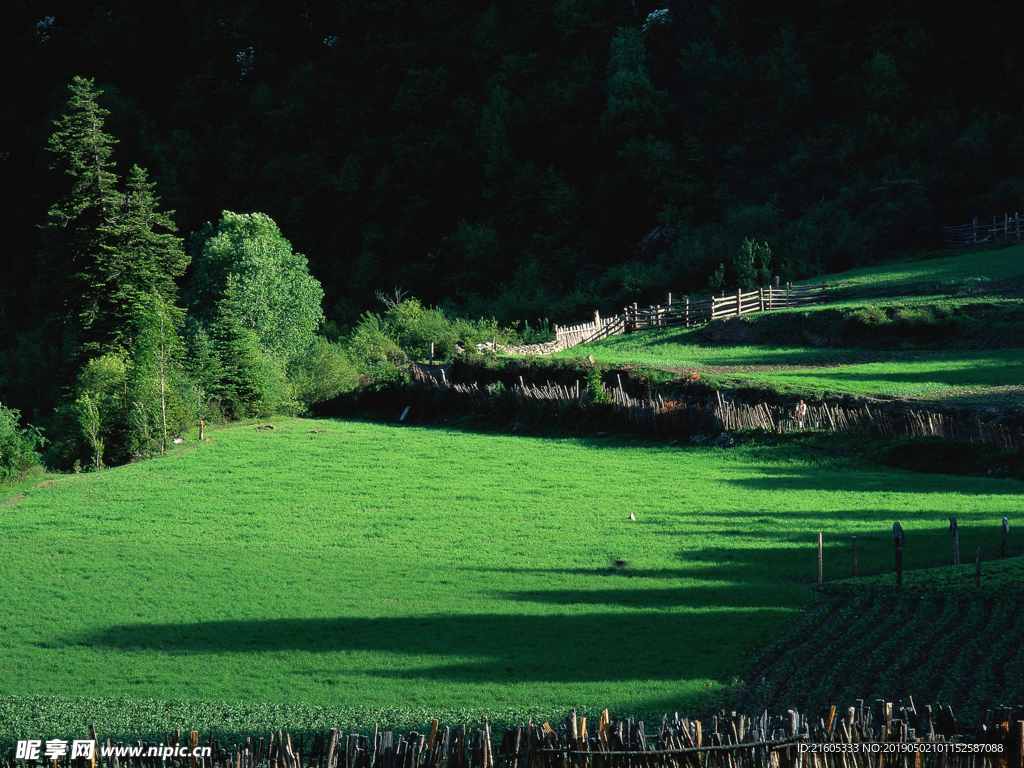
<point>595,388</point>
<point>18,447</point>
<point>370,344</point>
<point>323,372</point>
<point>385,374</point>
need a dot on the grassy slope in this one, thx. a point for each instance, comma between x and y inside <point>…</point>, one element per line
<point>964,375</point>
<point>379,566</point>
<point>938,639</point>
<point>946,275</point>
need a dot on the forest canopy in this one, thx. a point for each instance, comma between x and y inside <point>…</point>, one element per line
<point>509,161</point>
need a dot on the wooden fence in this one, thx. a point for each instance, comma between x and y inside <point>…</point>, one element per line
<point>874,735</point>
<point>689,313</point>
<point>691,416</point>
<point>602,327</point>
<point>1002,230</point>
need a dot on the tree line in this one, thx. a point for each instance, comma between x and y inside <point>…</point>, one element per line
<point>138,364</point>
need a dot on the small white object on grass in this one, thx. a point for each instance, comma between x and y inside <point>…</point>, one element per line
<point>632,516</point>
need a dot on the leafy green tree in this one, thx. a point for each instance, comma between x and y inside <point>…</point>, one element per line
<point>156,370</point>
<point>273,294</point>
<point>101,398</point>
<point>18,446</point>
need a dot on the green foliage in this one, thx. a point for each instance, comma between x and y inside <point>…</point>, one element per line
<point>101,404</point>
<point>163,400</point>
<point>76,223</point>
<point>539,333</point>
<point>596,389</point>
<point>19,446</point>
<point>369,343</point>
<point>323,372</point>
<point>273,295</point>
<point>752,265</point>
<point>717,282</point>
<point>405,331</point>
<point>137,264</point>
<point>384,374</point>
<point>253,380</point>
<point>633,106</point>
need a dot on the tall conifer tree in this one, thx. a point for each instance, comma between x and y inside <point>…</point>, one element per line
<point>76,224</point>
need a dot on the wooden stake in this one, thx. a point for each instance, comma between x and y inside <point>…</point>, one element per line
<point>819,557</point>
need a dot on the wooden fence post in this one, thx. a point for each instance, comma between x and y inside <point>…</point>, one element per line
<point>687,315</point>
<point>670,299</point>
<point>819,557</point>
<point>1002,544</point>
<point>431,353</point>
<point>789,291</point>
<point>977,568</point>
<point>760,297</point>
<point>739,302</point>
<point>955,530</point>
<point>636,317</point>
<point>854,547</point>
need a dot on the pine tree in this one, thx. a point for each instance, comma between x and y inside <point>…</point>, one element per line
<point>238,348</point>
<point>75,223</point>
<point>136,265</point>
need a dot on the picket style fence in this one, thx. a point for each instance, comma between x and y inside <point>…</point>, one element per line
<point>716,414</point>
<point>688,313</point>
<point>1002,230</point>
<point>881,734</point>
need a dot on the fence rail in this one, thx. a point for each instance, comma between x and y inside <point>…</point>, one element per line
<point>684,313</point>
<point>879,734</point>
<point>980,232</point>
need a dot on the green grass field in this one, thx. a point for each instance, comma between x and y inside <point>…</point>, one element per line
<point>963,375</point>
<point>951,274</point>
<point>376,566</point>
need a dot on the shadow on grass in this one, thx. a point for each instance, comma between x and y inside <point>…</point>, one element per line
<point>562,648</point>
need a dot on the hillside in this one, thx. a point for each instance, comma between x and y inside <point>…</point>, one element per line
<point>946,330</point>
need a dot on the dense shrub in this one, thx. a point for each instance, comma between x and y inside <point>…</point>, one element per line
<point>18,446</point>
<point>324,371</point>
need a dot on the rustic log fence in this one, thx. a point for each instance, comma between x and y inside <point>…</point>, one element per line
<point>720,414</point>
<point>690,314</point>
<point>881,734</point>
<point>687,313</point>
<point>1002,230</point>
